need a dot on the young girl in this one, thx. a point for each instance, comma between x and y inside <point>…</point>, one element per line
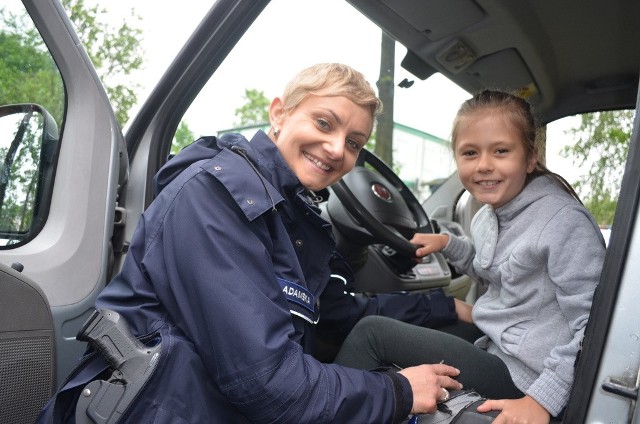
<point>537,250</point>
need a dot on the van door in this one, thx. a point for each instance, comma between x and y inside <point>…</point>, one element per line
<point>64,158</point>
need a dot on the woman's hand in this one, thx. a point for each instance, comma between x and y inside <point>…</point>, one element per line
<point>516,411</point>
<point>427,383</point>
<point>430,243</point>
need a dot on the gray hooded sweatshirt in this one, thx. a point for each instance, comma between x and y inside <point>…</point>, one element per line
<point>540,256</point>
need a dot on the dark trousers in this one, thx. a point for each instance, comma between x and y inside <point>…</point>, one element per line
<point>379,341</point>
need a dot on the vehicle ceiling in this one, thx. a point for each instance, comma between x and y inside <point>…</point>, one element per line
<point>568,56</point>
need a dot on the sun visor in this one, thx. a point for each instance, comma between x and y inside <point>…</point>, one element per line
<point>437,18</point>
<point>418,67</point>
<point>504,70</point>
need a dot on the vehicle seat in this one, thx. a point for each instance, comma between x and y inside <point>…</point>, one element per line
<point>465,209</point>
<point>27,348</point>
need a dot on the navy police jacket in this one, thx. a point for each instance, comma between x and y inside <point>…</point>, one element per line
<point>227,269</point>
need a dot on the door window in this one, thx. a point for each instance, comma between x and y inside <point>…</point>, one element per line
<point>32,101</point>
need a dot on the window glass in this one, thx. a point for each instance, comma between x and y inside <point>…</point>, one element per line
<point>286,38</point>
<point>590,152</point>
<point>31,111</point>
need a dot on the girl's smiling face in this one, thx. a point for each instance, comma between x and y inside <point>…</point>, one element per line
<point>492,161</point>
<point>320,139</point>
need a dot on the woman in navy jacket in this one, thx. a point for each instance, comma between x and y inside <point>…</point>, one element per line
<point>228,264</point>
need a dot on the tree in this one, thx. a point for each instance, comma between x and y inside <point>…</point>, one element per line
<point>182,138</point>
<point>256,109</point>
<point>115,52</point>
<point>603,146</point>
<point>27,71</point>
<point>384,129</point>
<point>28,74</point>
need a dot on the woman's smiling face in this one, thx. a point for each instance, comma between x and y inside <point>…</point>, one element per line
<point>320,139</point>
<point>492,161</point>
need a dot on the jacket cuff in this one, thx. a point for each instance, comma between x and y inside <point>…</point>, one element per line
<point>551,393</point>
<point>456,247</point>
<point>402,394</point>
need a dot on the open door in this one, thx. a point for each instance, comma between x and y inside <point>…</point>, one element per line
<point>62,153</point>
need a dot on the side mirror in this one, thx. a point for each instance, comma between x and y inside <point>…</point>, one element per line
<point>29,145</point>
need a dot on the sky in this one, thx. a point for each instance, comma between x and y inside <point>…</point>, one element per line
<point>428,106</point>
<point>336,19</point>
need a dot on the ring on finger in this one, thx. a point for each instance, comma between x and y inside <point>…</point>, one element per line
<point>445,396</point>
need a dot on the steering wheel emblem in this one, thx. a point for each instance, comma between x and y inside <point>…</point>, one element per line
<point>381,192</point>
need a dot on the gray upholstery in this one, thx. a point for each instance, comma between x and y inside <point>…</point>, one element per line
<point>27,372</point>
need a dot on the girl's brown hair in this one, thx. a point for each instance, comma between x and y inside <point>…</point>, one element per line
<point>518,111</point>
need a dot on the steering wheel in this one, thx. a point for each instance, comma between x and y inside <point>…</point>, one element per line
<point>383,209</point>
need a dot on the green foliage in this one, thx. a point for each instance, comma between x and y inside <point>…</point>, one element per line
<point>115,52</point>
<point>602,146</point>
<point>182,138</point>
<point>27,75</point>
<point>27,72</point>
<point>256,109</point>
<point>603,210</point>
<point>19,174</point>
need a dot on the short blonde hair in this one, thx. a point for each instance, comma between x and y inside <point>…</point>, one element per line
<point>331,79</point>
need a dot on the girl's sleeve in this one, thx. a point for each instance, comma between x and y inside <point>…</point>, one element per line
<point>460,252</point>
<point>575,253</point>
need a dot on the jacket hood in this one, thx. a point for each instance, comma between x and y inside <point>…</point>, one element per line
<point>261,153</point>
<point>202,149</point>
<point>539,187</point>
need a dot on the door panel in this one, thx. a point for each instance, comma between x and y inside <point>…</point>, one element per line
<point>611,349</point>
<point>68,258</point>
